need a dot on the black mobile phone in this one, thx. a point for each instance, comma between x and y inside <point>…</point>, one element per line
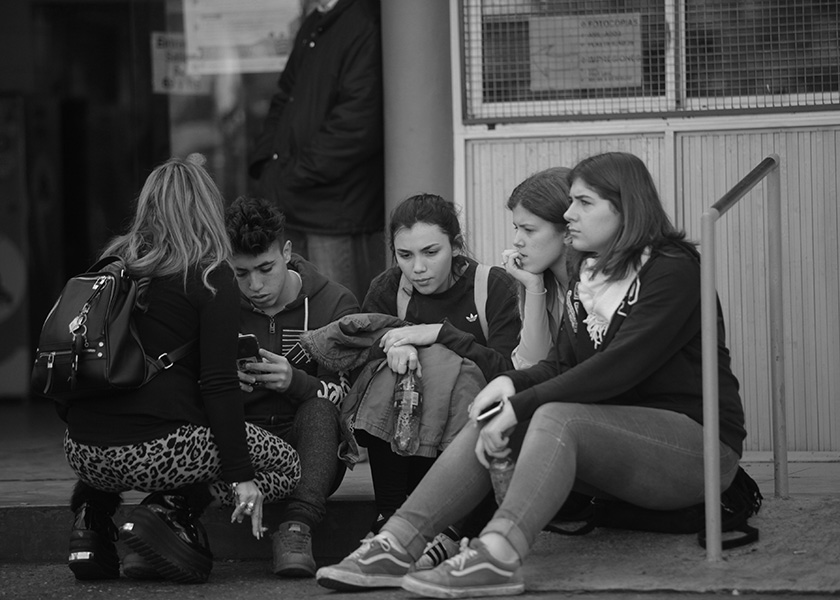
<point>248,351</point>
<point>488,412</point>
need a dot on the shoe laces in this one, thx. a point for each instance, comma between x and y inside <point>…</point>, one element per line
<point>366,545</point>
<point>465,553</point>
<point>295,541</point>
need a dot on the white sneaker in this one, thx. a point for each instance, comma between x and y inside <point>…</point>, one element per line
<point>438,550</point>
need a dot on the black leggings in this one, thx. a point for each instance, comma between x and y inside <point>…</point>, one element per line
<point>394,476</point>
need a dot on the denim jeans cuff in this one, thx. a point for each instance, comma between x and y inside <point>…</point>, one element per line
<point>407,535</point>
<point>512,533</point>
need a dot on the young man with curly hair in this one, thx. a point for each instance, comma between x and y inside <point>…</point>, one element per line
<point>288,393</point>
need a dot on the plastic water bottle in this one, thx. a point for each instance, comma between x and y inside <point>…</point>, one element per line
<point>408,406</point>
<point>501,472</point>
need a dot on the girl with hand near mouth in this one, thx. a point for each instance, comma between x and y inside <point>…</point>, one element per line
<point>538,260</point>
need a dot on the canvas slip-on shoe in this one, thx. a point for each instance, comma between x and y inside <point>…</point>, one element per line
<point>376,563</point>
<point>473,573</point>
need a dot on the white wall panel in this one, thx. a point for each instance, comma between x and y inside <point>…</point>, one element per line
<point>704,165</point>
<point>710,164</point>
<point>495,167</point>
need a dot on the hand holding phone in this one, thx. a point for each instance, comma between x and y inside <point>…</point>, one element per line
<point>248,351</point>
<point>490,411</point>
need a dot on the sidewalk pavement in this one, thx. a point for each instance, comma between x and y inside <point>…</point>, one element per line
<point>797,553</point>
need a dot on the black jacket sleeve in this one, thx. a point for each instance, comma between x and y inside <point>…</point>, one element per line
<point>663,321</point>
<point>218,380</point>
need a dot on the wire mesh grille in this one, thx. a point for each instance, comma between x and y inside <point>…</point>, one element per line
<point>542,59</point>
<point>743,49</point>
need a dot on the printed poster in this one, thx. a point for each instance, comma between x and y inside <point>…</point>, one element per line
<point>239,36</point>
<point>586,52</point>
<point>169,67</point>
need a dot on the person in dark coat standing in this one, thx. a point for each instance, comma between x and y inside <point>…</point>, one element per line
<point>320,153</point>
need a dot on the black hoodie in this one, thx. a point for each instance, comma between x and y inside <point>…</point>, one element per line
<point>319,303</point>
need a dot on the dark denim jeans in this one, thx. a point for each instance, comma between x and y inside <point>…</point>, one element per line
<point>650,457</point>
<point>315,433</point>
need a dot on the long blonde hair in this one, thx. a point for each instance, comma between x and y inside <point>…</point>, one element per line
<point>178,224</point>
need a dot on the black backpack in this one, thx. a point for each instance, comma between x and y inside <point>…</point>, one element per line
<point>741,500</point>
<point>88,344</point>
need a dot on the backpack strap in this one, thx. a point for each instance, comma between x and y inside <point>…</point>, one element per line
<point>482,276</point>
<point>167,359</point>
<point>404,291</point>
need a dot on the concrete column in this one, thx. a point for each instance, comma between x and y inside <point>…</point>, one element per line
<point>418,99</point>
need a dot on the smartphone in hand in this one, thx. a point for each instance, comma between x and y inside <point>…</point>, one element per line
<point>248,351</point>
<point>489,412</point>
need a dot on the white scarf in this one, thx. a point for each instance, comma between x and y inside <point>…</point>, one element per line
<point>601,298</point>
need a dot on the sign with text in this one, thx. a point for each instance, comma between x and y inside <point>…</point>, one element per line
<point>169,67</point>
<point>239,36</point>
<point>585,52</point>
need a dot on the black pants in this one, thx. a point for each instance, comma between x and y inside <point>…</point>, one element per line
<point>395,477</point>
<point>315,433</point>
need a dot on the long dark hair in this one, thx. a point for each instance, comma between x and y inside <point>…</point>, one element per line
<point>624,180</point>
<point>432,210</point>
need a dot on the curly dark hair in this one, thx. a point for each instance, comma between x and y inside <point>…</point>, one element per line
<point>253,224</point>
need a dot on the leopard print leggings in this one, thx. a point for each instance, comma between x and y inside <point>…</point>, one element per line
<point>187,455</point>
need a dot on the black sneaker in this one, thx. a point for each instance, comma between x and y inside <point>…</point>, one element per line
<point>135,566</point>
<point>164,531</point>
<point>93,554</point>
<point>292,551</point>
<point>441,548</point>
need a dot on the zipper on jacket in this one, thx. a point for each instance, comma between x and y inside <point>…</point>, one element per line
<point>50,362</point>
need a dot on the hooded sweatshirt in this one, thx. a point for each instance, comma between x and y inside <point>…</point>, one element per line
<point>319,303</point>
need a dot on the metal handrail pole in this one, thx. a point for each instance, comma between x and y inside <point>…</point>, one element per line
<point>711,426</point>
<point>777,356</point>
<point>748,182</point>
<point>769,167</point>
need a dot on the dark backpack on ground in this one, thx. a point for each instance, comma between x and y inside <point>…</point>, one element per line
<point>88,344</point>
<point>741,500</point>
